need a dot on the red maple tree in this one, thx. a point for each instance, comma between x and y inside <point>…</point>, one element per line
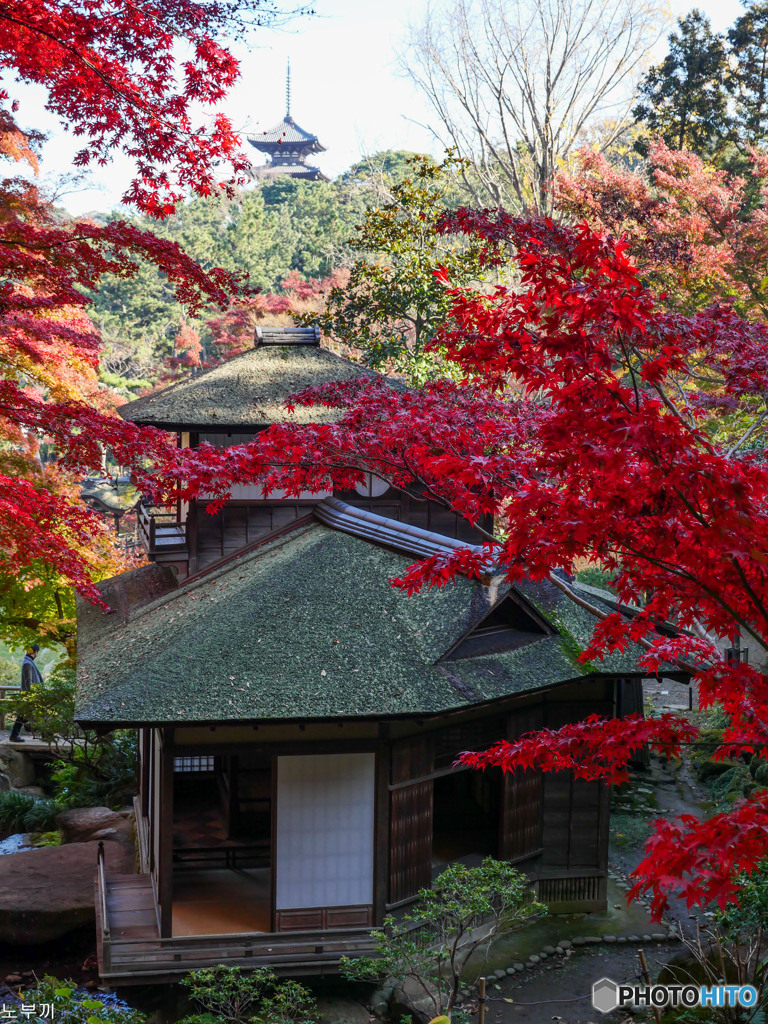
<point>571,428</point>
<point>571,431</point>
<point>113,76</point>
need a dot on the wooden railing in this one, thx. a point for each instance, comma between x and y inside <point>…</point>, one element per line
<point>160,532</point>
<point>146,958</point>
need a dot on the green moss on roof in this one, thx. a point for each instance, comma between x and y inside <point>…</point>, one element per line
<point>307,626</point>
<point>108,495</point>
<point>248,390</point>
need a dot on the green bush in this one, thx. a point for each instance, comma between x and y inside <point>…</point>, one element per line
<point>20,812</point>
<point>594,577</point>
<point>228,995</point>
<point>107,777</point>
<point>431,945</point>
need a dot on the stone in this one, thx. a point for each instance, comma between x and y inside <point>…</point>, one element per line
<point>80,824</point>
<point>36,791</point>
<point>593,940</point>
<point>13,979</point>
<point>578,940</point>
<point>533,959</point>
<point>549,950</point>
<point>622,939</point>
<point>647,938</point>
<point>500,974</point>
<point>543,955</point>
<point>105,834</point>
<point>511,971</point>
<point>633,938</point>
<point>17,766</point>
<point>47,892</point>
<point>519,967</point>
<point>564,944</point>
<point>340,1010</point>
<point>408,999</point>
<point>658,936</point>
<point>609,938</point>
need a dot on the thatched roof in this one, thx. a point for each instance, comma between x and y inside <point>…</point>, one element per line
<point>308,626</point>
<point>247,391</point>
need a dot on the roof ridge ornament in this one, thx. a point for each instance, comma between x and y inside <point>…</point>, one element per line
<point>266,335</point>
<point>288,91</point>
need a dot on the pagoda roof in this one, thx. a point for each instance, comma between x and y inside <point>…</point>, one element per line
<point>294,170</point>
<point>248,390</point>
<point>307,626</point>
<point>286,133</point>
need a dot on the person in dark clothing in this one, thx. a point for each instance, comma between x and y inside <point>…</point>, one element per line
<point>30,673</point>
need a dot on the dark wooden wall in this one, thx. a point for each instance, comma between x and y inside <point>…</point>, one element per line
<point>411,809</point>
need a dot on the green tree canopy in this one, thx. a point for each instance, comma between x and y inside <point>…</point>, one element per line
<point>747,79</point>
<point>684,99</point>
<point>394,303</point>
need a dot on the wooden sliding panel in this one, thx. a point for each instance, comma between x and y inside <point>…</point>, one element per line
<point>411,815</point>
<point>520,822</point>
<point>522,796</point>
<point>410,852</point>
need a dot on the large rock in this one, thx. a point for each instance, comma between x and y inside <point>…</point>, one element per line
<point>80,824</point>
<point>47,892</point>
<point>339,1010</point>
<point>18,767</point>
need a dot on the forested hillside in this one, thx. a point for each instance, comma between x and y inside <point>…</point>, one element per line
<point>286,237</point>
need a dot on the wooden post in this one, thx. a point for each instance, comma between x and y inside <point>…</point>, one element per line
<point>165,866</point>
<point>381,836</point>
<point>646,975</point>
<point>481,1001</point>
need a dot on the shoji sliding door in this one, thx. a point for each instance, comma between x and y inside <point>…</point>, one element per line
<point>324,841</point>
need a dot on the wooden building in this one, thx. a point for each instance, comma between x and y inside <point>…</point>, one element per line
<point>287,146</point>
<point>300,719</point>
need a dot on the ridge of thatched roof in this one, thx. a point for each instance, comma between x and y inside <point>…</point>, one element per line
<point>247,391</point>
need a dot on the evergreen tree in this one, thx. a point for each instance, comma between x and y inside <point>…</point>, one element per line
<point>747,79</point>
<point>683,99</point>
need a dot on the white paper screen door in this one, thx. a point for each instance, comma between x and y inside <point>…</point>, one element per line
<point>324,846</point>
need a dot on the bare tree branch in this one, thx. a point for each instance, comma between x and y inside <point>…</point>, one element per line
<point>515,84</point>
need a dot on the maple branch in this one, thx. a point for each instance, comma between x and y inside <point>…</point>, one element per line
<point>745,437</point>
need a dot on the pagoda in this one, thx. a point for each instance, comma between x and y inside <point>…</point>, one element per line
<point>288,146</point>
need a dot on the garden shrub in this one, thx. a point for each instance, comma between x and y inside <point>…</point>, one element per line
<point>229,995</point>
<point>21,812</point>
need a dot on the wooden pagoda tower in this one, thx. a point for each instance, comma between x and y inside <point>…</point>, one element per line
<point>287,146</point>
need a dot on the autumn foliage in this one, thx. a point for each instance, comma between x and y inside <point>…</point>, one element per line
<point>582,424</point>
<point>572,431</point>
<point>114,81</point>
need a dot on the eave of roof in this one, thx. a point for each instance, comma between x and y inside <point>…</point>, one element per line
<point>286,133</point>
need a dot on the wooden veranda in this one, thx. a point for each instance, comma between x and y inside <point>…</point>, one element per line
<point>131,952</point>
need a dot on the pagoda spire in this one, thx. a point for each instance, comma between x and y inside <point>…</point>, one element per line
<point>287,145</point>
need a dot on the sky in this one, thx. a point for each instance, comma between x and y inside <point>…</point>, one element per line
<point>346,89</point>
